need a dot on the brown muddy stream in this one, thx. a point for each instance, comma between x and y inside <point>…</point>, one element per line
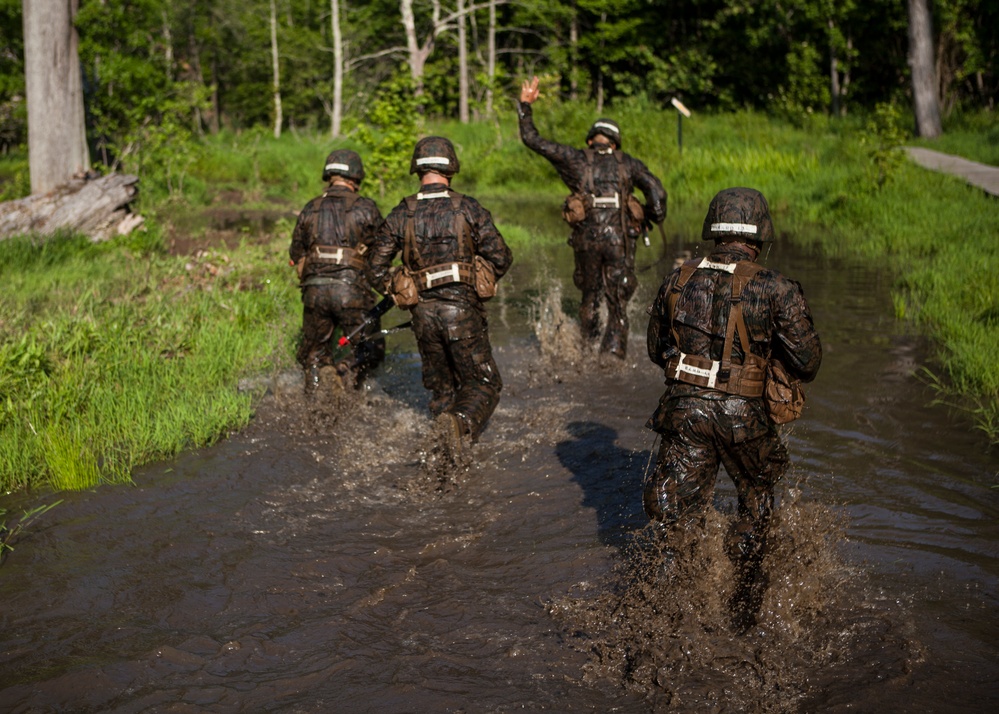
<point>307,564</point>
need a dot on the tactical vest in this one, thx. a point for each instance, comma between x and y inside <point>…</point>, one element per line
<point>345,255</point>
<point>580,205</point>
<point>746,379</point>
<point>461,270</point>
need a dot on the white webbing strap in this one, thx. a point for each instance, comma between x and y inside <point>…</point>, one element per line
<point>449,275</point>
<point>727,267</point>
<point>607,201</point>
<point>709,374</point>
<point>335,257</point>
<point>425,196</point>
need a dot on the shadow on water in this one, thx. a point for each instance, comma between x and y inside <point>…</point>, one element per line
<point>609,475</point>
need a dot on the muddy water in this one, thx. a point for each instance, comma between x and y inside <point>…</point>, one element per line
<point>312,564</point>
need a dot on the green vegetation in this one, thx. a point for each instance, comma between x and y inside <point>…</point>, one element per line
<point>117,354</point>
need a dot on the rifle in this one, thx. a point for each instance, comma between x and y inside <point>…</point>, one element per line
<point>370,316</point>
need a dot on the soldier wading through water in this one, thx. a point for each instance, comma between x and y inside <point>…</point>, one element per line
<point>328,245</point>
<point>720,327</point>
<point>605,216</point>
<point>452,256</point>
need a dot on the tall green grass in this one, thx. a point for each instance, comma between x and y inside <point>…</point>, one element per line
<point>111,359</point>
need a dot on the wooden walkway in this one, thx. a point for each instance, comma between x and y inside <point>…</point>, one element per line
<point>983,176</point>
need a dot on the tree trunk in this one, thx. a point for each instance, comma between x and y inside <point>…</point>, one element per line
<point>573,54</point>
<point>277,72</point>
<point>337,69</point>
<point>926,104</point>
<point>491,60</point>
<point>57,134</point>
<point>462,64</point>
<point>97,208</point>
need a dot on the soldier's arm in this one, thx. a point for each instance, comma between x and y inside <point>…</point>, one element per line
<point>652,188</point>
<point>660,337</point>
<point>567,161</point>
<point>386,244</point>
<point>489,242</point>
<point>371,221</point>
<point>300,236</point>
<point>797,342</point>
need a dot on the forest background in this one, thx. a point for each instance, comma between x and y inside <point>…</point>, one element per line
<point>218,100</point>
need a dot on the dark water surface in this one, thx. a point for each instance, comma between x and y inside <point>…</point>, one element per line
<point>307,565</point>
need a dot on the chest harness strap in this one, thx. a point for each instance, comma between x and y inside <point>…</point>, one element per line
<point>746,379</point>
<point>460,271</point>
<point>342,254</point>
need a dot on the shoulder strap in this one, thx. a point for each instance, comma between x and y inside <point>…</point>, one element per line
<point>686,270</point>
<point>461,228</point>
<point>744,272</point>
<point>409,249</point>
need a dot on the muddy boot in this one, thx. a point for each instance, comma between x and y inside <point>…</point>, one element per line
<point>331,381</point>
<point>311,380</point>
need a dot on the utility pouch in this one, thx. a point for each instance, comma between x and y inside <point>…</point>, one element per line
<point>784,396</point>
<point>636,212</point>
<point>574,209</point>
<point>485,278</point>
<point>402,287</point>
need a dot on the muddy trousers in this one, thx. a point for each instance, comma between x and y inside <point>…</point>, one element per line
<point>339,304</point>
<point>458,365</point>
<point>605,271</point>
<point>698,436</point>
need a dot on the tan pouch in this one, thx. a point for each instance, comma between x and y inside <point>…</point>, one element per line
<point>784,396</point>
<point>485,278</point>
<point>402,287</point>
<point>636,212</point>
<point>574,209</point>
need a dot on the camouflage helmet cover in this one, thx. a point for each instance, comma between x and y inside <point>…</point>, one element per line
<point>346,163</point>
<point>738,213</point>
<point>434,153</point>
<point>608,128</point>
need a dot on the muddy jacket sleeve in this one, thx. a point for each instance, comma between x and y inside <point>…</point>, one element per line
<point>570,163</point>
<point>796,342</point>
<point>489,242</point>
<point>385,245</point>
<point>302,236</point>
<point>651,187</point>
<point>661,345</point>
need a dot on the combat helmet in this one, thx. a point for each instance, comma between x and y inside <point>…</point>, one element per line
<point>434,153</point>
<point>738,213</point>
<point>346,163</point>
<point>607,127</point>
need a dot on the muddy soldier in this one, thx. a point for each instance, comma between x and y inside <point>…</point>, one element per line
<point>713,327</point>
<point>452,254</point>
<point>605,216</point>
<point>328,245</point>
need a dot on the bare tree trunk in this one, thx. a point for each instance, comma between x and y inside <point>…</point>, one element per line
<point>337,69</point>
<point>419,54</point>
<point>491,60</point>
<point>926,104</point>
<point>277,72</point>
<point>57,134</point>
<point>168,45</point>
<point>462,65</point>
<point>573,51</point>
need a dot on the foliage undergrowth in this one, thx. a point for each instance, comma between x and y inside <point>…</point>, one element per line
<point>112,358</point>
<point>119,354</point>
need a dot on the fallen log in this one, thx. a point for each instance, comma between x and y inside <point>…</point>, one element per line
<point>96,207</point>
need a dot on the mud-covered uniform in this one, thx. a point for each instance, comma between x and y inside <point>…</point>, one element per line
<point>333,233</point>
<point>449,320</point>
<point>604,242</point>
<point>704,427</point>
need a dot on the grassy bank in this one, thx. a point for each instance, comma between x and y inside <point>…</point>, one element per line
<point>118,354</point>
